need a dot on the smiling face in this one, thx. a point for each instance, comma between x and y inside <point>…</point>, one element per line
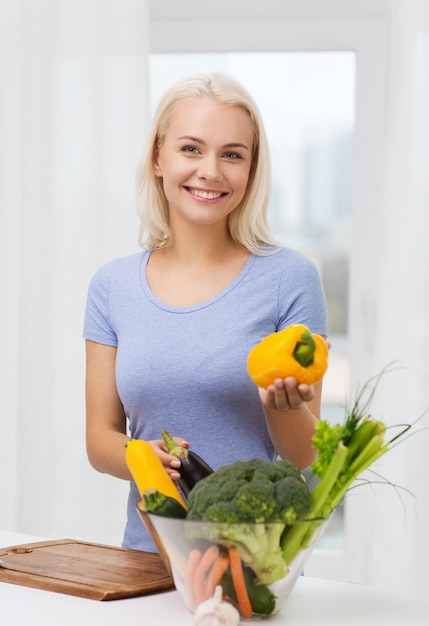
<point>205,160</point>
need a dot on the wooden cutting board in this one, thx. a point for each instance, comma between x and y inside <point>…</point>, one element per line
<point>84,569</point>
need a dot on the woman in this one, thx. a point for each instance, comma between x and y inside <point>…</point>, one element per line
<point>168,330</point>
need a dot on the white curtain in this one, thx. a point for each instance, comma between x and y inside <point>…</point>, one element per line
<point>399,547</point>
<point>73,114</point>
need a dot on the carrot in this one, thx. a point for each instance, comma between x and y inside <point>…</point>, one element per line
<point>239,583</point>
<point>193,560</point>
<point>216,572</point>
<point>206,562</point>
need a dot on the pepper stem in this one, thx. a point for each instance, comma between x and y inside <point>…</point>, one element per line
<point>304,349</point>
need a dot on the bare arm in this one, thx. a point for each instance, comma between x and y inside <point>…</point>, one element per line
<point>105,419</point>
<point>291,411</point>
<point>106,433</point>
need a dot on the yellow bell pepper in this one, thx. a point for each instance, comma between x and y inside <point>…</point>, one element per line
<point>293,352</point>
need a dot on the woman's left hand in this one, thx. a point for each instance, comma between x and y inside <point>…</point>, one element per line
<point>285,394</point>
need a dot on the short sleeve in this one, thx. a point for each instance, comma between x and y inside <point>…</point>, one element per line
<point>301,296</point>
<point>97,325</point>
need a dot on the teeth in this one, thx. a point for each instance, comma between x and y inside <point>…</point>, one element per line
<point>207,195</point>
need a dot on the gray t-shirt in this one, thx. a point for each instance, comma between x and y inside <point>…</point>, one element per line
<point>183,369</point>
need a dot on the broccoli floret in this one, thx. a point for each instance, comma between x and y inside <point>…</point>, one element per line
<point>293,499</point>
<point>274,471</point>
<point>221,512</point>
<point>207,500</point>
<point>255,499</point>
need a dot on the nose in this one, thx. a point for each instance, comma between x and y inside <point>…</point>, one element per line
<point>209,168</point>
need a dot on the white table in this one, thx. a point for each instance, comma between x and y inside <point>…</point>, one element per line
<point>313,602</point>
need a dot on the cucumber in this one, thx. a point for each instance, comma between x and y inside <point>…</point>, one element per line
<point>262,599</point>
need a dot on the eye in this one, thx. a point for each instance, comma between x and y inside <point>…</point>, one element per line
<point>190,149</point>
<point>233,155</point>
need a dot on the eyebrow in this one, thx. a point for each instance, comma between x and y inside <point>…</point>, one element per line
<point>234,144</point>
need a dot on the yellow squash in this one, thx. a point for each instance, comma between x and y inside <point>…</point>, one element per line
<point>148,471</point>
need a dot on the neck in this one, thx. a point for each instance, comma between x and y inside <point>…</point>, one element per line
<point>203,243</point>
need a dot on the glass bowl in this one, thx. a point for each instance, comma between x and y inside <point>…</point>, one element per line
<point>190,548</point>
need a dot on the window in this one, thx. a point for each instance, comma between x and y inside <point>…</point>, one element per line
<point>327,157</point>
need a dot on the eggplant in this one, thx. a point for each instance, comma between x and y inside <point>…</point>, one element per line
<point>192,470</point>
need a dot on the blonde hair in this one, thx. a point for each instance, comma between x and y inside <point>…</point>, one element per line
<point>248,223</point>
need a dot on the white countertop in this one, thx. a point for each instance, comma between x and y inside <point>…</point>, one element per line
<point>312,602</point>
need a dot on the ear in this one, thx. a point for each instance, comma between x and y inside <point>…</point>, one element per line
<point>155,162</point>
<point>156,168</point>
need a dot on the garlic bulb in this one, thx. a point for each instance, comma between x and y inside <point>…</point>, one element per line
<point>216,612</point>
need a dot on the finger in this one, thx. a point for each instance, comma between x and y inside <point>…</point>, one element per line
<point>281,399</point>
<point>306,392</point>
<point>174,474</point>
<point>181,442</point>
<point>292,393</point>
<point>169,461</point>
<point>267,397</point>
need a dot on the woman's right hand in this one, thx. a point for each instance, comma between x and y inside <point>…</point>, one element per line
<point>171,463</point>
